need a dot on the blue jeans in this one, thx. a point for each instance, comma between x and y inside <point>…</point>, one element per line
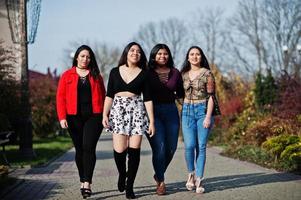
<point>195,137</point>
<point>164,142</point>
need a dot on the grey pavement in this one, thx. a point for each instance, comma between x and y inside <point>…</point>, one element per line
<point>226,179</point>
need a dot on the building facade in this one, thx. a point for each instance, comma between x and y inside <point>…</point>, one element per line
<point>6,38</point>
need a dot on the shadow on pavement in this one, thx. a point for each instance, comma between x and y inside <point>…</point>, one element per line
<point>224,183</point>
<point>245,180</point>
<point>69,157</point>
<point>141,191</point>
<point>39,189</point>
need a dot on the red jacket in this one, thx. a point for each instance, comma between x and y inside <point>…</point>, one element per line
<point>66,96</point>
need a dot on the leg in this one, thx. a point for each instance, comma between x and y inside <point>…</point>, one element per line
<point>120,143</point>
<point>189,131</point>
<point>202,136</point>
<point>201,155</point>
<point>76,133</point>
<point>133,163</point>
<point>172,124</point>
<point>92,131</point>
<point>190,141</point>
<point>157,143</point>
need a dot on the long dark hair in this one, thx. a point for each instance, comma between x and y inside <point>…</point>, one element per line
<point>93,67</point>
<point>152,64</point>
<point>187,66</point>
<point>124,60</point>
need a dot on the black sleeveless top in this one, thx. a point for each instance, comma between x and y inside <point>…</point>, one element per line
<point>84,96</point>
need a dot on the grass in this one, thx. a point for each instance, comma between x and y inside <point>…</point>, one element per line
<point>259,156</point>
<point>45,150</point>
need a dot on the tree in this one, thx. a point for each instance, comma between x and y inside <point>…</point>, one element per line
<point>283,25</point>
<point>247,35</point>
<point>265,89</point>
<point>107,58</point>
<point>172,32</point>
<point>260,28</point>
<point>208,32</point>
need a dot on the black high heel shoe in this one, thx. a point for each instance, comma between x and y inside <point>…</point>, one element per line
<point>129,194</point>
<point>86,192</point>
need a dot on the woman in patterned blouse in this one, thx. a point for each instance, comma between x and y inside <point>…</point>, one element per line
<point>199,87</point>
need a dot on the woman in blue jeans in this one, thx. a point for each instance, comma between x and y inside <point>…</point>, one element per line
<point>166,86</point>
<point>199,86</point>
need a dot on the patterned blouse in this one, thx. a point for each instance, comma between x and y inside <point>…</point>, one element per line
<point>201,87</point>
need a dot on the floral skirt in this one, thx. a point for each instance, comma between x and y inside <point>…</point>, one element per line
<point>128,116</point>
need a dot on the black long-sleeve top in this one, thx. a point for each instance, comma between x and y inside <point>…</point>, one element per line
<point>169,91</point>
<point>137,86</point>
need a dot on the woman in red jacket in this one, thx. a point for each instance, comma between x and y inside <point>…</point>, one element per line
<point>80,98</point>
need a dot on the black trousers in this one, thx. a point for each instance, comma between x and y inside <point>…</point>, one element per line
<point>85,132</point>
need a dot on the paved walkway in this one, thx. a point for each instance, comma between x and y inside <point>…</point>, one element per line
<point>226,179</point>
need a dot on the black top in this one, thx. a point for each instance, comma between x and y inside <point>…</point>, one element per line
<point>137,86</point>
<point>84,96</point>
<point>169,91</point>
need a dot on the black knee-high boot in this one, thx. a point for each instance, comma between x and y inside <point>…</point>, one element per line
<point>133,164</point>
<point>120,160</point>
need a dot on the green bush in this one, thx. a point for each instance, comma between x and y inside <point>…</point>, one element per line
<point>286,150</point>
<point>250,153</point>
<point>291,156</point>
<point>276,145</point>
<point>268,126</point>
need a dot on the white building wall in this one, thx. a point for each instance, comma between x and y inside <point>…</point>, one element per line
<point>5,35</point>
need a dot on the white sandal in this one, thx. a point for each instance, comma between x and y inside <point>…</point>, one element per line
<point>199,185</point>
<point>190,182</point>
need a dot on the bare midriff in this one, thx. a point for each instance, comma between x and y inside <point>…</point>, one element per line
<point>126,94</point>
<point>194,101</point>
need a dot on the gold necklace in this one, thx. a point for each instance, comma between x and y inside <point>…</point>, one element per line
<point>195,69</point>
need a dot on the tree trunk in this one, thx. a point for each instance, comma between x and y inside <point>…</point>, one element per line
<point>25,147</point>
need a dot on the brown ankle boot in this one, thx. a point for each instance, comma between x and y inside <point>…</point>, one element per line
<point>161,188</point>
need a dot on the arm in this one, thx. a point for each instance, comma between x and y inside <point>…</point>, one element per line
<point>108,101</point>
<point>147,98</point>
<point>210,87</point>
<point>102,88</point>
<point>150,112</point>
<point>61,102</point>
<point>106,110</point>
<point>180,88</point>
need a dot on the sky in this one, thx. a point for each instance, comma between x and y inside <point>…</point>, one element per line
<point>113,22</point>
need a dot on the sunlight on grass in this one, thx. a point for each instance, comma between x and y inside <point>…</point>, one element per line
<point>45,149</point>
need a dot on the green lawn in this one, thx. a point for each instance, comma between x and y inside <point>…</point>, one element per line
<point>45,150</point>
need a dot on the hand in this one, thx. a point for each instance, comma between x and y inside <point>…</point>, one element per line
<point>151,130</point>
<point>105,121</point>
<point>207,122</point>
<point>64,123</point>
